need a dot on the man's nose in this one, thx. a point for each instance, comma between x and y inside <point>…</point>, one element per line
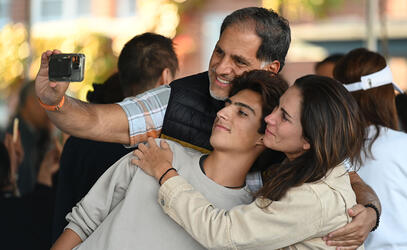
<point>224,67</point>
<point>224,113</point>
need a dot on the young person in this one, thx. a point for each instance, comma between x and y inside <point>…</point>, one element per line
<point>366,75</point>
<point>317,125</point>
<point>120,211</point>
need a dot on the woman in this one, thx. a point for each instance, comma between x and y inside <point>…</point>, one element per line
<point>317,126</point>
<point>366,75</point>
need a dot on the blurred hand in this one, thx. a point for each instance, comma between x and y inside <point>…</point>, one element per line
<point>49,166</point>
<point>49,93</point>
<point>352,235</point>
<point>154,160</point>
<point>16,152</point>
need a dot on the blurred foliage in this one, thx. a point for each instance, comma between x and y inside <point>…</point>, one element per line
<point>296,9</point>
<point>20,60</point>
<point>14,54</point>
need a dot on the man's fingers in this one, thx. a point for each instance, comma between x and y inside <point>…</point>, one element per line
<point>355,210</point>
<point>152,143</point>
<point>44,58</point>
<point>343,243</point>
<point>347,248</point>
<point>142,147</point>
<point>343,232</point>
<point>164,145</point>
<point>135,161</point>
<point>349,237</point>
<point>139,153</point>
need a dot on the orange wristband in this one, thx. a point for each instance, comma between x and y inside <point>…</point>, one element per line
<point>53,107</point>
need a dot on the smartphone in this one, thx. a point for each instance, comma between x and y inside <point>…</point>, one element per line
<point>66,67</point>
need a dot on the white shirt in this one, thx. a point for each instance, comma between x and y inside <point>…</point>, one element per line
<point>387,175</point>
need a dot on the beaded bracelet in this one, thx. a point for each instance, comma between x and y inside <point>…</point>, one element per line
<point>377,215</point>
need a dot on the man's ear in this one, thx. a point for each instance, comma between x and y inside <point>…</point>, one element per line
<point>274,66</point>
<point>165,78</point>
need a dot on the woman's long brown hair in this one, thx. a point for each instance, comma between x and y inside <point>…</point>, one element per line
<point>333,127</point>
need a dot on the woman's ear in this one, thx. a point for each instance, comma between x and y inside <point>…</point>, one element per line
<point>306,146</point>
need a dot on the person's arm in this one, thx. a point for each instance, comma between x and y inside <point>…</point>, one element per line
<point>49,166</point>
<point>355,233</point>
<point>103,197</point>
<point>101,122</point>
<point>364,194</point>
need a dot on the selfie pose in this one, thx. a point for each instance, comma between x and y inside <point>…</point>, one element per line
<point>317,125</point>
<point>250,38</point>
<point>120,211</point>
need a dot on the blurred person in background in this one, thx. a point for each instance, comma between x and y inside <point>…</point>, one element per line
<point>25,220</point>
<point>145,62</point>
<point>35,131</point>
<point>368,77</point>
<point>326,66</point>
<point>401,106</point>
<point>250,38</point>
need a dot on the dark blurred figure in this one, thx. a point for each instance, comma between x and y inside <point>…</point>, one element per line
<point>34,127</point>
<point>108,92</point>
<point>326,66</point>
<point>25,221</point>
<point>401,105</point>
<point>146,61</point>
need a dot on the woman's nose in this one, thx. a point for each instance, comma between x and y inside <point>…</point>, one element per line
<point>270,119</point>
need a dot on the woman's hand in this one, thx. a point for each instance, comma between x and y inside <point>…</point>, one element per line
<point>153,159</point>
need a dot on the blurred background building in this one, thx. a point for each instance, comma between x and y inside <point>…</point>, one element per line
<point>99,29</point>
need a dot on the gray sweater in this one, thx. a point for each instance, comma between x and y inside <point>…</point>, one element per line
<point>121,210</point>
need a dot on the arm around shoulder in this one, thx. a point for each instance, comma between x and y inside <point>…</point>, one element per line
<point>364,193</point>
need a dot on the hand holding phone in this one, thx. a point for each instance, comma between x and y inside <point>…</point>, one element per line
<point>49,92</point>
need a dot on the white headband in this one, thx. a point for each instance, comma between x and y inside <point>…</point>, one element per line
<point>374,80</point>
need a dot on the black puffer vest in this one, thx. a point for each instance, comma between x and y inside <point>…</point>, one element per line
<point>190,113</point>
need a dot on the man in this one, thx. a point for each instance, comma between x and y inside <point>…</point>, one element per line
<point>250,38</point>
<point>145,62</point>
<point>120,211</point>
